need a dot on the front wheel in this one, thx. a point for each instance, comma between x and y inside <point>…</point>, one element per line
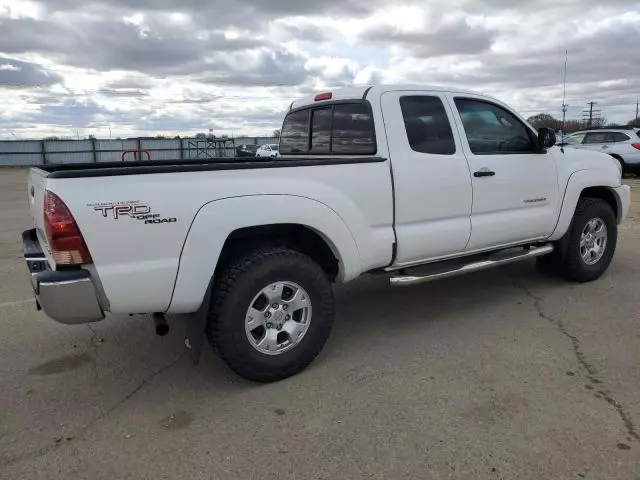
<point>272,313</point>
<point>591,242</point>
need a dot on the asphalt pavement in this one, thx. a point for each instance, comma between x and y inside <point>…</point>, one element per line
<point>503,374</point>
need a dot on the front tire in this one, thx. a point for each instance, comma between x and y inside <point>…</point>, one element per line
<point>591,242</point>
<point>271,315</point>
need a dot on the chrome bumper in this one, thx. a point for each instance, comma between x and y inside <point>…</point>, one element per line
<point>67,296</point>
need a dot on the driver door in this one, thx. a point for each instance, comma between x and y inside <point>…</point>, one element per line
<point>515,189</point>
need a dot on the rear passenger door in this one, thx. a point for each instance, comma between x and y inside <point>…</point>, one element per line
<point>431,176</point>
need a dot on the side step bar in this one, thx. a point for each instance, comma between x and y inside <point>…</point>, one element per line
<point>460,269</point>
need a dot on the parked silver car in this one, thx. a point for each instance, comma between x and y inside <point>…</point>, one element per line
<point>622,143</point>
<point>271,150</point>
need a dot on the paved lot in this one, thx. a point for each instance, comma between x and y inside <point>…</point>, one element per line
<point>504,374</point>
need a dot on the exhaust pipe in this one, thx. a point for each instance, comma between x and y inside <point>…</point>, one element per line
<point>160,321</point>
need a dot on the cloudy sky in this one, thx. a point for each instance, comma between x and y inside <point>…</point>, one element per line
<point>70,67</point>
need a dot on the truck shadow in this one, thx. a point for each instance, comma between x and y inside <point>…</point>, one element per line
<point>370,306</point>
<point>368,310</point>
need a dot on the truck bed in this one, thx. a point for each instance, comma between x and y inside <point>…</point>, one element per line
<point>203,202</point>
<point>110,169</point>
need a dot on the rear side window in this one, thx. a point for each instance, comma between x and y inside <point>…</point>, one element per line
<point>294,137</point>
<point>427,126</point>
<point>342,128</point>
<point>618,137</point>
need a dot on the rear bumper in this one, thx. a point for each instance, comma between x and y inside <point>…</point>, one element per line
<point>67,296</point>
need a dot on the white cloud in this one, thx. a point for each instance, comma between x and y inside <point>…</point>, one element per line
<point>8,67</point>
<point>160,66</point>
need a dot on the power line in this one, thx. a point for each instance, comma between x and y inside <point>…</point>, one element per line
<point>589,115</point>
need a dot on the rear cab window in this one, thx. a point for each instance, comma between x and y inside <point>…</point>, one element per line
<point>339,128</point>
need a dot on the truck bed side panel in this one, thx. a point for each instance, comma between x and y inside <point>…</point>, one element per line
<point>137,259</point>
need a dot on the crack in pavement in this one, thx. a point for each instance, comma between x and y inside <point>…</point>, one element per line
<point>94,348</point>
<point>131,394</point>
<point>80,432</point>
<point>584,363</point>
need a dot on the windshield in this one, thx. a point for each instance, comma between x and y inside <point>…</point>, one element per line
<point>574,139</point>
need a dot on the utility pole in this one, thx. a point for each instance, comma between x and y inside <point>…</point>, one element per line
<point>637,103</point>
<point>588,116</point>
<point>564,93</point>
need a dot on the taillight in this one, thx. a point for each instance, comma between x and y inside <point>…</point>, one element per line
<point>636,146</point>
<point>65,240</point>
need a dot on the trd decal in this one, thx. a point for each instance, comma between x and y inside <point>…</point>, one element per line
<point>136,210</point>
<point>118,211</point>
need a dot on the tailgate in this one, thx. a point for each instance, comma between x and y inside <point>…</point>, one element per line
<point>36,189</point>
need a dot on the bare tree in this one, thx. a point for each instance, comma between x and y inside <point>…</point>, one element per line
<point>544,120</point>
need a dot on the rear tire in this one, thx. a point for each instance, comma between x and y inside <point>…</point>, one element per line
<point>587,249</point>
<point>247,291</point>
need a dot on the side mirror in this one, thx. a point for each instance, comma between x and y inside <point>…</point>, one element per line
<point>546,137</point>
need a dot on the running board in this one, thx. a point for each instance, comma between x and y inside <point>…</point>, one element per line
<point>460,269</point>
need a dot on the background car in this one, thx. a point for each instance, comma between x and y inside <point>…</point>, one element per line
<point>246,150</point>
<point>622,143</point>
<point>271,150</point>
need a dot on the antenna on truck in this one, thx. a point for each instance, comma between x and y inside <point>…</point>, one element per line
<point>564,97</point>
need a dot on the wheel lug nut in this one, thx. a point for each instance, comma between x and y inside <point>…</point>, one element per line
<point>275,305</point>
<point>267,314</point>
<point>269,325</point>
<point>285,307</point>
<point>287,317</point>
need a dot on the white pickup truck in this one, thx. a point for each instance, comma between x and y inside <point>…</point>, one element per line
<point>419,182</point>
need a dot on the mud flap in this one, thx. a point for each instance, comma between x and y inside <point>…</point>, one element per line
<point>195,331</point>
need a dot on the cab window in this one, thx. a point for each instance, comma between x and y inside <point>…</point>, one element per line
<point>493,130</point>
<point>343,128</point>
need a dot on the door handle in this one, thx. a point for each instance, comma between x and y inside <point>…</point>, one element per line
<point>605,146</point>
<point>484,172</point>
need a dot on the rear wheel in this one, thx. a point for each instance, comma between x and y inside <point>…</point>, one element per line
<point>272,314</point>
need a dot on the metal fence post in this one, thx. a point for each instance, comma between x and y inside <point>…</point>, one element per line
<point>181,149</point>
<point>44,152</point>
<point>93,150</point>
